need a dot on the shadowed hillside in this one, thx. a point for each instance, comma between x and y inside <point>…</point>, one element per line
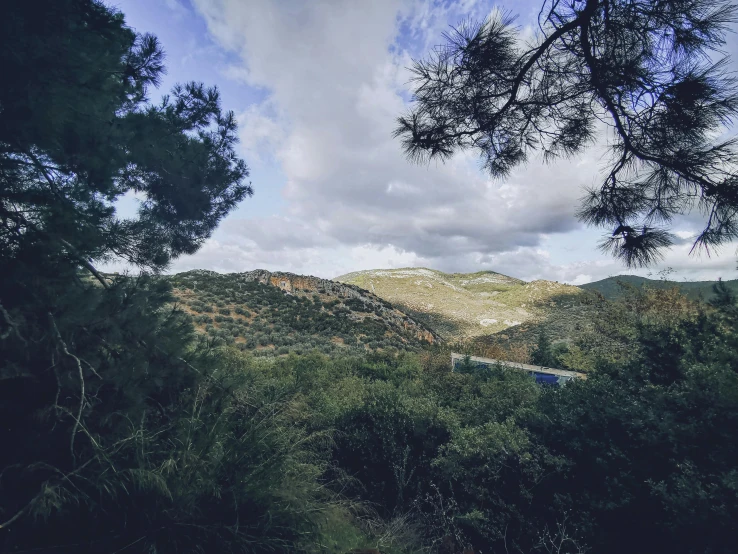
<point>611,289</point>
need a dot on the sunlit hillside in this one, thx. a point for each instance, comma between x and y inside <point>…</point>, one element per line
<point>461,305</point>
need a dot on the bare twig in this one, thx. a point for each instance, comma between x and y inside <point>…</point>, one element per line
<point>131,544</point>
<point>12,325</point>
<point>21,511</point>
<point>81,384</point>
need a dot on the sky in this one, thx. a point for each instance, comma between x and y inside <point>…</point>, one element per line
<point>316,86</point>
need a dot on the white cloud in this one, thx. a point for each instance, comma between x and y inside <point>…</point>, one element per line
<point>282,244</point>
<point>177,8</point>
<point>337,79</point>
<point>261,133</point>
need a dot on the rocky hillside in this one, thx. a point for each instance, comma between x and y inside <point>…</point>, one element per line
<point>270,313</point>
<point>462,305</point>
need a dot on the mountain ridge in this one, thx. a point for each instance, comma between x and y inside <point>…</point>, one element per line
<point>695,290</point>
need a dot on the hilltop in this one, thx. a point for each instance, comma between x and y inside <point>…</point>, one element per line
<point>279,313</point>
<point>694,290</point>
<point>463,305</point>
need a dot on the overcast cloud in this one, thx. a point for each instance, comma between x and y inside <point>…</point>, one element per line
<point>334,78</point>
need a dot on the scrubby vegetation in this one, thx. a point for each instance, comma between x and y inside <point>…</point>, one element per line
<point>182,446</point>
<point>489,460</point>
<point>267,320</point>
<point>604,329</point>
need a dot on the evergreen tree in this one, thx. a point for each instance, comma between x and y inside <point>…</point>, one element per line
<point>724,298</point>
<point>643,67</point>
<point>77,132</point>
<point>543,352</point>
<point>466,365</point>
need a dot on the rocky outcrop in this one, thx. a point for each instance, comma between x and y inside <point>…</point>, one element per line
<point>294,284</point>
<point>290,282</point>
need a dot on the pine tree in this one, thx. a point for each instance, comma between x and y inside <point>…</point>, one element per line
<point>643,67</point>
<point>543,353</point>
<point>724,298</point>
<point>77,132</point>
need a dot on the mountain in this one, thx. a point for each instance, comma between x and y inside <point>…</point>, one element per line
<point>461,305</point>
<point>270,313</point>
<point>695,290</point>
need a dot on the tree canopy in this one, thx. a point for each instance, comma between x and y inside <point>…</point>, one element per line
<point>651,71</point>
<point>82,355</point>
<point>77,132</point>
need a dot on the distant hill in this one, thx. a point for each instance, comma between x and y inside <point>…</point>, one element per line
<point>278,313</point>
<point>462,305</point>
<point>696,290</point>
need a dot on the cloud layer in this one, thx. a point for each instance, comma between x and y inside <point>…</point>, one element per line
<point>336,78</point>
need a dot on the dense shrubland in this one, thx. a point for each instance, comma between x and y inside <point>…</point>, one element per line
<point>492,460</point>
<point>183,445</point>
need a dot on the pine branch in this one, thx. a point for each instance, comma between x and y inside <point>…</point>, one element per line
<point>85,263</point>
<point>20,220</point>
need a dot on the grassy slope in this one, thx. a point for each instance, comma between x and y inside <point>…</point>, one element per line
<point>462,305</point>
<point>266,320</point>
<point>694,290</point>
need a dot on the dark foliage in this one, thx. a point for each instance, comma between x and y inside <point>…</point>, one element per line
<point>543,352</point>
<point>491,461</point>
<point>77,132</point>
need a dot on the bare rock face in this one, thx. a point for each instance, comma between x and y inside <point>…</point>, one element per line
<point>293,284</point>
<point>290,282</point>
